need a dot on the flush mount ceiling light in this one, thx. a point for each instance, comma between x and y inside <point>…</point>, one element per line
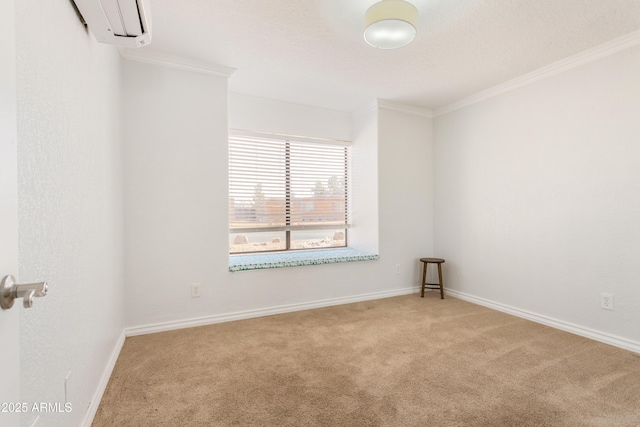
<point>390,24</point>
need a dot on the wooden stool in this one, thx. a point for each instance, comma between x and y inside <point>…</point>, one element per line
<point>426,262</point>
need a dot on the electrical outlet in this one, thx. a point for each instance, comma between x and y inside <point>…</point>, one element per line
<point>195,290</point>
<point>606,301</point>
<point>397,268</point>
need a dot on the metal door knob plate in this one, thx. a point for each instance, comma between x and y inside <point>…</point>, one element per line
<point>10,290</point>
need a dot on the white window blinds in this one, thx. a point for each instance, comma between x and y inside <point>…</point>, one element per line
<point>287,183</point>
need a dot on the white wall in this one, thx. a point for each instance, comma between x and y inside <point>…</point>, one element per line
<point>176,209</point>
<point>538,196</point>
<point>405,177</point>
<point>70,206</point>
<point>268,115</point>
<point>364,180</point>
<point>175,153</point>
<point>9,319</point>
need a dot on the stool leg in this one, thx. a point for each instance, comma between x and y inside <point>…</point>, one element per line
<point>424,278</point>
<point>440,277</point>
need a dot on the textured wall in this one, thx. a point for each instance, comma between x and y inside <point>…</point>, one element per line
<point>537,196</point>
<point>176,209</point>
<point>70,206</point>
<point>9,319</point>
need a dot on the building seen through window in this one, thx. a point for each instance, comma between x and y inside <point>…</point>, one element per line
<point>287,193</point>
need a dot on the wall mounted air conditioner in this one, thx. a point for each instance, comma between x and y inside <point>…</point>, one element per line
<point>121,22</point>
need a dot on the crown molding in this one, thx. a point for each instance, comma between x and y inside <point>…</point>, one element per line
<point>601,51</point>
<point>150,57</point>
<point>384,104</point>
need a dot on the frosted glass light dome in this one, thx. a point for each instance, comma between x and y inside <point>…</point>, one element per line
<point>390,24</point>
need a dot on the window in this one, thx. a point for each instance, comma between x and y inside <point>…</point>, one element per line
<point>287,193</point>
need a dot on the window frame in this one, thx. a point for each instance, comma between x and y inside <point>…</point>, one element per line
<point>288,197</point>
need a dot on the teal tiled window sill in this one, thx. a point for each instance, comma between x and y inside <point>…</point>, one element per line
<point>297,258</point>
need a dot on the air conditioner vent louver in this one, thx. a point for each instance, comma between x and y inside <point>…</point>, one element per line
<point>121,22</point>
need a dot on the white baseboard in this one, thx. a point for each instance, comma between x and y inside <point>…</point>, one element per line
<point>209,320</point>
<point>616,341</point>
<point>104,380</point>
<point>249,314</point>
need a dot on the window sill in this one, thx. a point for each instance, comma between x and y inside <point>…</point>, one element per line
<point>297,258</point>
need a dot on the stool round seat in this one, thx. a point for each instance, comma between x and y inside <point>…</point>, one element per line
<point>432,260</point>
<point>426,262</point>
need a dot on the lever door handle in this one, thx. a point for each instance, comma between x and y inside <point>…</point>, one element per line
<point>10,290</point>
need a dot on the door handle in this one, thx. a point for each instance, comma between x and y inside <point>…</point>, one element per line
<point>10,290</point>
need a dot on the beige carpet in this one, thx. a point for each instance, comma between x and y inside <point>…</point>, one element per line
<point>401,361</point>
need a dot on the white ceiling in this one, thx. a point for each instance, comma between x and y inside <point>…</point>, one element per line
<point>312,52</point>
